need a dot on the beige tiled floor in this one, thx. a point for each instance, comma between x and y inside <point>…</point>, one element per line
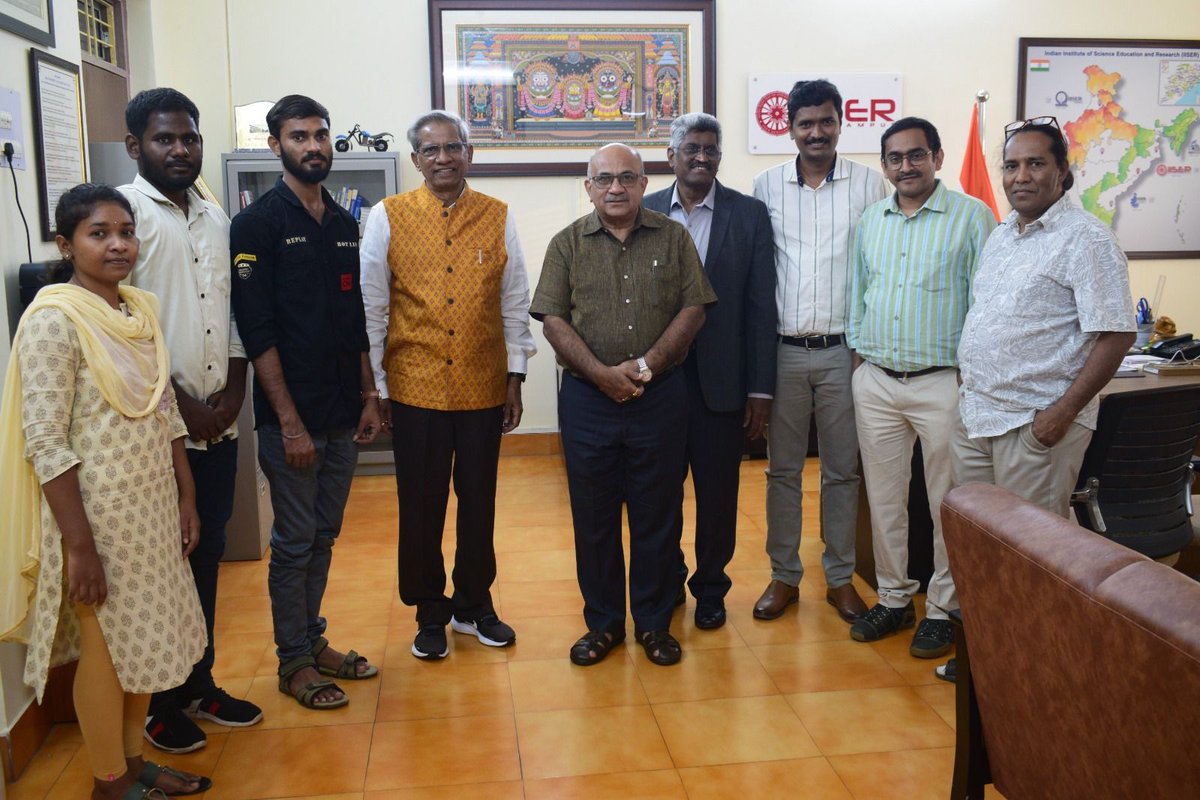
<point>757,709</point>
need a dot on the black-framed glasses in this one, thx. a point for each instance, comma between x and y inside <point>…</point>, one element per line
<point>914,157</point>
<point>1016,127</point>
<point>693,150</point>
<point>453,149</point>
<point>605,179</point>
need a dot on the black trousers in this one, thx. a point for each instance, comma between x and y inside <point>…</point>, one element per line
<point>715,442</point>
<point>431,448</point>
<point>633,454</point>
<point>213,471</point>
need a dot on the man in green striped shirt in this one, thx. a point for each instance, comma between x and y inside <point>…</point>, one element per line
<point>914,262</point>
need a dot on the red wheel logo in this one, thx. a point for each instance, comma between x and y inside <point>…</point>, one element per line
<point>771,113</point>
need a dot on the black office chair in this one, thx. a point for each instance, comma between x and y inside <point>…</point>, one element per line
<point>1135,484</point>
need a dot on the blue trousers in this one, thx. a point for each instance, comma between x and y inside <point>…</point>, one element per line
<point>715,442</point>
<point>308,505</point>
<point>633,454</point>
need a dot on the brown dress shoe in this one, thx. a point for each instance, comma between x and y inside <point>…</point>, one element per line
<point>847,602</point>
<point>775,600</point>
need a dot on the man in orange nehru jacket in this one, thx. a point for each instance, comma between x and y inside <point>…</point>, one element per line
<point>447,302</point>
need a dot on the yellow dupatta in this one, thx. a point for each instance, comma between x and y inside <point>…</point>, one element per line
<point>128,358</point>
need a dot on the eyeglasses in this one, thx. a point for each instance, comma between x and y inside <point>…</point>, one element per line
<point>914,157</point>
<point>452,149</point>
<point>605,180</point>
<point>1016,127</point>
<point>692,150</point>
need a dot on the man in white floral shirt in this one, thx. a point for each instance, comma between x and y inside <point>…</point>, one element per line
<point>1051,320</point>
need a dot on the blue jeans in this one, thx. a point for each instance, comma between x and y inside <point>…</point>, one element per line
<point>308,505</point>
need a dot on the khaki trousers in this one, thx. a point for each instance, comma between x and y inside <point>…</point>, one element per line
<point>1045,476</point>
<point>891,415</point>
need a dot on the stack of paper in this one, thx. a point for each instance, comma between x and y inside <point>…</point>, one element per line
<point>1132,365</point>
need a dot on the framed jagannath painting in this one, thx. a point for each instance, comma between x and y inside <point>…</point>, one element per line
<point>543,83</point>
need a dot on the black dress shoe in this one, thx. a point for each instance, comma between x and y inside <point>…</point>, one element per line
<point>711,618</point>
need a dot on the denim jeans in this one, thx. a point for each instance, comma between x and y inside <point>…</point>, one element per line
<point>308,505</point>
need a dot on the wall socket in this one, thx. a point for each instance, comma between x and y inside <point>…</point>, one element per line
<point>18,159</point>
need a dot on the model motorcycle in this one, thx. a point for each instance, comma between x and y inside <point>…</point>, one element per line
<point>378,142</point>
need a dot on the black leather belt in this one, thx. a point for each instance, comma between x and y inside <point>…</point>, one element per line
<point>813,342</point>
<point>903,376</point>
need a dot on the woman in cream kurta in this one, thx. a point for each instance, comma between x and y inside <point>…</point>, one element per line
<point>151,620</point>
<point>100,512</point>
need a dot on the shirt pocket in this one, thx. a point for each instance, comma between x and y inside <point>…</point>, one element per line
<point>930,273</point>
<point>216,277</point>
<point>1039,297</point>
<point>299,267</point>
<point>661,280</point>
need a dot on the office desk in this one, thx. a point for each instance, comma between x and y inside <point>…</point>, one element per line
<point>920,523</point>
<point>1149,382</point>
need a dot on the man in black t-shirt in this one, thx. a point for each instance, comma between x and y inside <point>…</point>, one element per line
<point>299,308</point>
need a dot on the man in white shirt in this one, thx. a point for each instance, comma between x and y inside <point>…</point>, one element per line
<point>184,260</point>
<point>1051,319</point>
<point>815,202</point>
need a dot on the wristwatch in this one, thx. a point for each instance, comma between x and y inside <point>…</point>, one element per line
<point>645,370</point>
<point>518,375</point>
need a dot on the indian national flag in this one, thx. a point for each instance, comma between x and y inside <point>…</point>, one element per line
<point>1039,65</point>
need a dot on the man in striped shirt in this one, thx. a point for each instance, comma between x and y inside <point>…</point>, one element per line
<point>815,203</point>
<point>914,263</point>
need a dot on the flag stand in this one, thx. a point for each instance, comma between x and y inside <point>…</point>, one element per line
<point>974,177</point>
<point>981,98</point>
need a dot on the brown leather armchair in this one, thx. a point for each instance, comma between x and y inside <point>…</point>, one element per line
<point>1078,662</point>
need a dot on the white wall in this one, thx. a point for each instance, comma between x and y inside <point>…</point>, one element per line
<point>370,64</point>
<point>14,74</point>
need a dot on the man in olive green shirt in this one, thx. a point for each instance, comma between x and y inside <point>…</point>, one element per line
<point>621,296</point>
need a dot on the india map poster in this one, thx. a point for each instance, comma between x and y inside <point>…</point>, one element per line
<point>1130,110</point>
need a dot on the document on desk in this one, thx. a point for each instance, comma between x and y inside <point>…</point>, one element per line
<point>1175,368</point>
<point>1132,366</point>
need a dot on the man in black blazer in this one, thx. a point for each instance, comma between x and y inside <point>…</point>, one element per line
<point>731,367</point>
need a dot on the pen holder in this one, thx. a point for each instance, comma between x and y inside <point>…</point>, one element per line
<point>1144,332</point>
